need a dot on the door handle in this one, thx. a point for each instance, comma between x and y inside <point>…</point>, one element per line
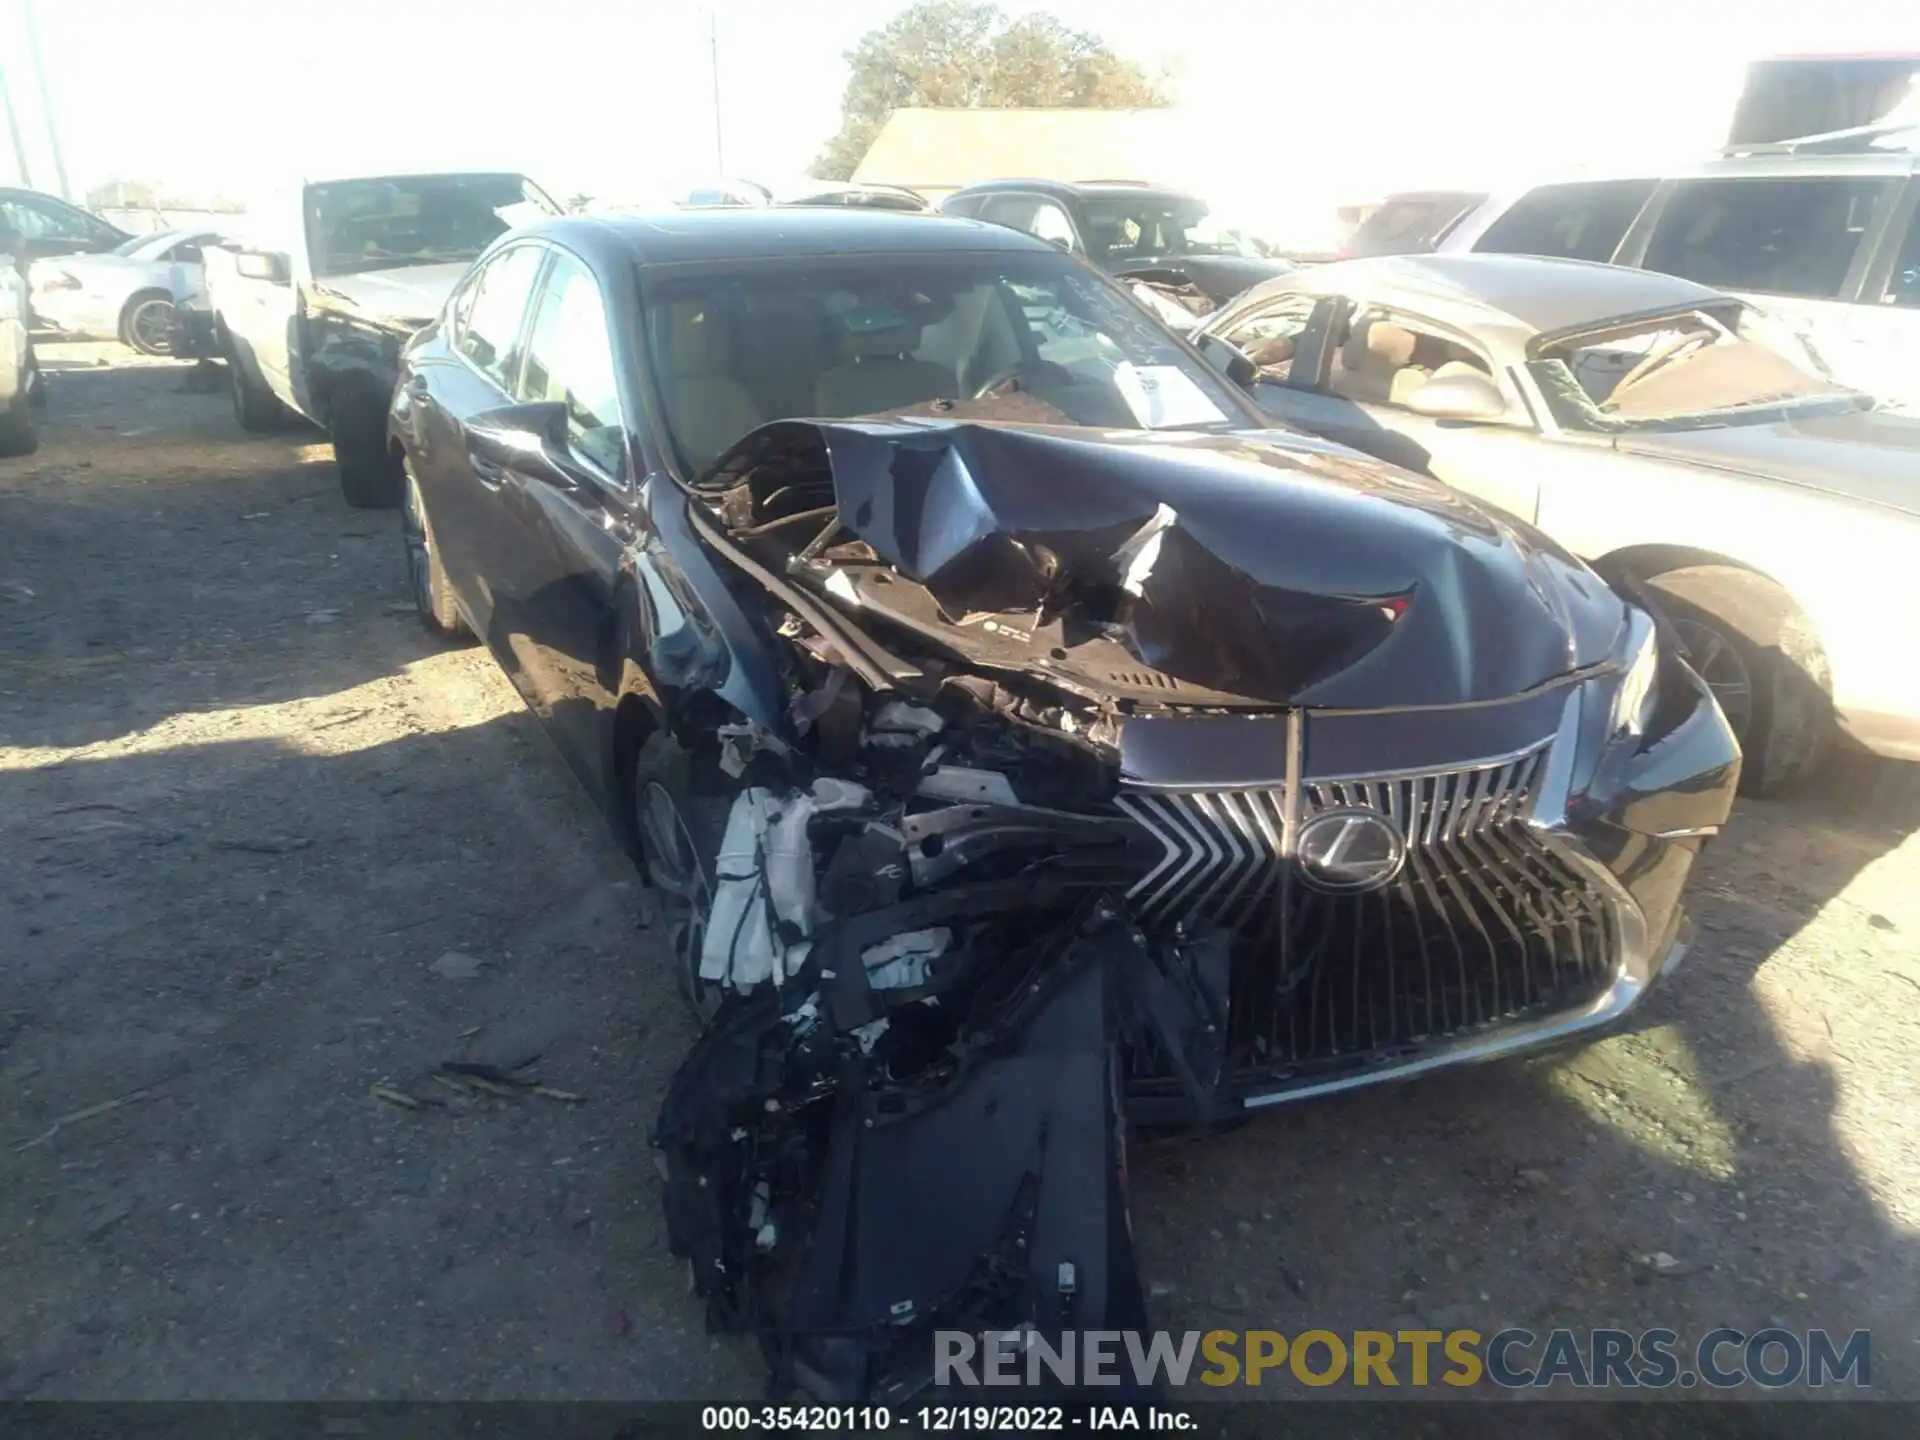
<point>490,475</point>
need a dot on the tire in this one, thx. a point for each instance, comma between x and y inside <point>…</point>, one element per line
<point>257,409</point>
<point>147,323</point>
<point>370,477</point>
<point>1759,656</point>
<point>662,798</point>
<point>19,434</point>
<point>426,576</point>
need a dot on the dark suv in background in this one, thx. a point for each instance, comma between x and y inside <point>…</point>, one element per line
<point>1124,228</point>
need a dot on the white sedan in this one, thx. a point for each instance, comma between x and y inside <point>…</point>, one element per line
<point>126,294</point>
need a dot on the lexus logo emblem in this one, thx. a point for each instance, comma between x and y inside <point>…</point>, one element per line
<point>1348,851</point>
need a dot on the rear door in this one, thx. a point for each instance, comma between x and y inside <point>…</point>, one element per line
<point>472,369</point>
<point>567,537</point>
<point>1797,246</point>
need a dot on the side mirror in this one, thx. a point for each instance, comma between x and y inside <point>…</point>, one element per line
<point>529,439</point>
<point>1228,359</point>
<point>269,265</point>
<point>1459,397</point>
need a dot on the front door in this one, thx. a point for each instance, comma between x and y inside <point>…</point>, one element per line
<point>567,535</point>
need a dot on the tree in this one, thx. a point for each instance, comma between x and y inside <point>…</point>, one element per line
<point>961,54</point>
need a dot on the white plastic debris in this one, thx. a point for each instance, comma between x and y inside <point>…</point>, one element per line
<point>900,961</point>
<point>898,723</point>
<point>869,1034</point>
<point>964,783</point>
<point>764,877</point>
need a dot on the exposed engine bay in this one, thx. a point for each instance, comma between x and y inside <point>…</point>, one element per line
<point>1096,782</point>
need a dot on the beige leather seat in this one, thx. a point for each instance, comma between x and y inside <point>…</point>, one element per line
<point>707,408</point>
<point>1371,364</point>
<point>880,373</point>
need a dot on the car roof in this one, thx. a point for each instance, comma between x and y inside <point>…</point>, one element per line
<point>1081,190</point>
<point>751,232</point>
<point>1522,295</point>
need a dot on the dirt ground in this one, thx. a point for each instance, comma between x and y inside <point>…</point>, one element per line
<point>247,806</point>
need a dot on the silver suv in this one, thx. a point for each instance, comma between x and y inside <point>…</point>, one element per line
<point>1821,232</point>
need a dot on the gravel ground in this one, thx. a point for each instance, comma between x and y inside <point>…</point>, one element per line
<point>247,808</point>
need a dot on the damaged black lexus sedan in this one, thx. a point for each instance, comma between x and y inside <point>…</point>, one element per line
<point>1020,737</point>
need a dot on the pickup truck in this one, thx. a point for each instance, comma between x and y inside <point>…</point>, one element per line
<point>312,309</point>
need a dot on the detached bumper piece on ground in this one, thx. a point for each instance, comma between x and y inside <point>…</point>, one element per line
<point>1108,783</point>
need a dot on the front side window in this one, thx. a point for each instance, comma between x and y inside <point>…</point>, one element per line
<point>1774,236</point>
<point>1050,222</point>
<point>41,220</point>
<point>356,225</point>
<point>490,331</point>
<point>1582,221</point>
<point>570,360</point>
<point>1269,336</point>
<point>1718,365</point>
<point>1023,337</point>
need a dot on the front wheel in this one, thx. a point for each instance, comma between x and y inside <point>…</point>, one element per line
<point>432,595</point>
<point>370,478</point>
<point>1757,654</point>
<point>257,409</point>
<point>147,323</point>
<point>679,831</point>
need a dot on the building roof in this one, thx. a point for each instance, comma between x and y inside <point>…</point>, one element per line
<point>947,149</point>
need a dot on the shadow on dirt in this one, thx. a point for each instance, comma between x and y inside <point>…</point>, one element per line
<point>235,942</point>
<point>213,561</point>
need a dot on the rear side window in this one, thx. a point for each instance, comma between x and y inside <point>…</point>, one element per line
<point>1778,237</point>
<point>1903,286</point>
<point>960,205</point>
<point>490,328</point>
<point>1411,224</point>
<point>1582,221</point>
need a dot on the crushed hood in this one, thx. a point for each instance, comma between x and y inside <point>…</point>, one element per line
<point>1246,566</point>
<point>1870,455</point>
<point>407,292</point>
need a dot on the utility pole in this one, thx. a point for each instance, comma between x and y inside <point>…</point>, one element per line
<point>13,130</point>
<point>46,99</point>
<point>713,46</point>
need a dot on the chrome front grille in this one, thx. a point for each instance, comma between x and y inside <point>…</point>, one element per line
<point>1482,922</point>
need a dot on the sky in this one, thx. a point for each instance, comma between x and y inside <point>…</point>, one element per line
<point>615,97</point>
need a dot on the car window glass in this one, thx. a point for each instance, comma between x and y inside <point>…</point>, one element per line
<point>1268,336</point>
<point>1410,224</point>
<point>185,253</point>
<point>966,205</point>
<point>1382,359</point>
<point>1775,236</point>
<point>1903,285</point>
<point>570,359</point>
<point>1583,221</point>
<point>492,323</point>
<point>53,222</point>
<point>1013,210</point>
<point>1018,336</point>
